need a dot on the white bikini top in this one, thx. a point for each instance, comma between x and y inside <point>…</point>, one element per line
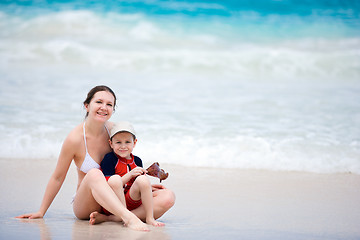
<point>89,163</point>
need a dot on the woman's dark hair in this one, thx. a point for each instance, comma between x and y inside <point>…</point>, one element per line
<point>96,89</point>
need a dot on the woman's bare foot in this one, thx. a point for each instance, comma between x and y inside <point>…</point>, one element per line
<point>134,223</point>
<point>137,224</point>
<point>155,223</point>
<point>96,218</point>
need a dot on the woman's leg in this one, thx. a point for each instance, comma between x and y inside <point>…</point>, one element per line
<point>95,192</point>
<point>116,184</point>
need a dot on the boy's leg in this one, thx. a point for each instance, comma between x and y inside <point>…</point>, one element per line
<point>116,183</point>
<point>142,190</point>
<point>163,200</point>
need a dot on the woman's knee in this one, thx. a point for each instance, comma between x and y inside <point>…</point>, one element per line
<point>167,199</point>
<point>95,174</point>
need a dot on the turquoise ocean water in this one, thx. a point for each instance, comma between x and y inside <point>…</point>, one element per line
<point>240,84</point>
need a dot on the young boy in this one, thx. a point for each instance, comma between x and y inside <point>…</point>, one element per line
<point>133,181</point>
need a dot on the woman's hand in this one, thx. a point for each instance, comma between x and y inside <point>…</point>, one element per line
<point>156,187</point>
<point>31,215</point>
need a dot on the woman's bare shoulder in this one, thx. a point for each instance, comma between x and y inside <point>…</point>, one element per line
<point>75,136</point>
<point>72,144</point>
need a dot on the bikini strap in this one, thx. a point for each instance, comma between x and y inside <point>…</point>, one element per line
<point>85,137</point>
<point>107,130</point>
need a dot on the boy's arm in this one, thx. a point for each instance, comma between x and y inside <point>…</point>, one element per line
<point>127,177</point>
<point>108,165</point>
<point>134,172</point>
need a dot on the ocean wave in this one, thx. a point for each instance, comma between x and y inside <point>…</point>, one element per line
<point>138,44</point>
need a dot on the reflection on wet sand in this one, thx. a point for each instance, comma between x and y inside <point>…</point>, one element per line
<point>111,230</point>
<point>44,230</point>
<point>50,228</point>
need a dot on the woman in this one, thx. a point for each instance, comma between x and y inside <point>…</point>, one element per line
<point>86,145</point>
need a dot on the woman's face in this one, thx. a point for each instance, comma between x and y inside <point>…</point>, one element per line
<point>101,106</point>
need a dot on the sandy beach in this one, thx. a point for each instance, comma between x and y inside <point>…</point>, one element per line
<point>211,204</point>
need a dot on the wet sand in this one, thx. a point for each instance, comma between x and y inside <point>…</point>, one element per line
<point>210,204</point>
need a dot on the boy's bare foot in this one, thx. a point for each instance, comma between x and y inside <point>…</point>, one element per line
<point>155,223</point>
<point>96,218</point>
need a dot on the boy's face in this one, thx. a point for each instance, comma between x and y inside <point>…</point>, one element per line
<point>123,144</point>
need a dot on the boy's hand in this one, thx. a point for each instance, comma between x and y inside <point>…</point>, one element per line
<point>137,171</point>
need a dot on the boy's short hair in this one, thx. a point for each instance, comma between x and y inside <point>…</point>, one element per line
<point>122,127</point>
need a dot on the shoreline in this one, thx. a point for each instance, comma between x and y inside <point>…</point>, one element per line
<point>210,204</point>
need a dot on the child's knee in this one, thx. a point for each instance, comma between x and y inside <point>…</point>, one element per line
<point>143,181</point>
<point>115,181</point>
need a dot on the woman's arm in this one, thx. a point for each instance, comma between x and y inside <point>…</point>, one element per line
<point>56,180</point>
